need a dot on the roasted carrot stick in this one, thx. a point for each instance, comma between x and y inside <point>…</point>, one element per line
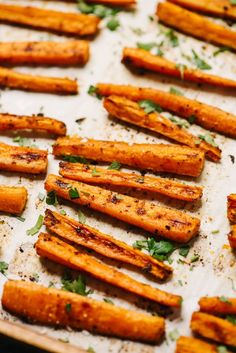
<point>232,237</point>
<point>35,123</point>
<point>50,20</point>
<point>231,208</point>
<point>221,8</point>
<point>214,328</point>
<point>12,199</point>
<point>143,59</point>
<point>131,112</point>
<point>171,188</point>
<point>45,53</point>
<point>22,159</point>
<point>60,308</point>
<point>217,305</point>
<point>209,117</point>
<point>172,224</point>
<point>194,345</point>
<point>113,2</point>
<point>61,252</point>
<point>195,25</point>
<point>17,80</point>
<point>158,157</point>
<point>103,244</point>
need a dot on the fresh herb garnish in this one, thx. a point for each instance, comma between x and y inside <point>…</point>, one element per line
<point>113,24</point>
<point>209,139</point>
<point>93,91</point>
<point>195,258</point>
<point>95,173</point>
<point>77,286</point>
<point>68,308</point>
<point>179,122</point>
<point>192,119</point>
<point>34,230</point>
<point>98,10</point>
<point>21,219</point>
<point>221,50</point>
<point>146,46</point>
<point>231,318</point>
<point>224,299</point>
<point>200,63</point>
<point>41,196</point>
<point>149,106</point>
<point>74,193</point>
<point>175,91</point>
<point>90,350</point>
<point>160,250</point>
<point>114,166</point>
<point>75,159</point>
<point>51,198</point>
<point>81,217</point>
<point>63,212</point>
<point>232,2</point>
<point>23,141</point>
<point>174,335</point>
<point>3,267</point>
<point>222,349</point>
<point>172,37</point>
<point>109,301</point>
<point>184,250</point>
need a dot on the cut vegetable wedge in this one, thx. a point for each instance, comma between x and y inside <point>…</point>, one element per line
<point>60,308</point>
<point>129,111</point>
<point>12,199</point>
<point>35,123</point>
<point>22,159</point>
<point>158,157</point>
<point>167,187</point>
<point>194,345</point>
<point>195,25</point>
<point>103,244</point>
<point>61,252</point>
<point>144,60</point>
<point>232,237</point>
<point>209,117</point>
<point>53,21</point>
<point>218,305</point>
<point>231,208</point>
<point>172,224</point>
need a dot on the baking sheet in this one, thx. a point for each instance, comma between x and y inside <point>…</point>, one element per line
<point>214,273</point>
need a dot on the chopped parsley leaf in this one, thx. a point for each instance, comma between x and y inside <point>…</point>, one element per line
<point>114,166</point>
<point>75,159</point>
<point>3,267</point>
<point>200,63</point>
<point>175,91</point>
<point>34,230</point>
<point>149,106</point>
<point>74,193</point>
<point>51,198</point>
<point>77,286</point>
<point>81,217</point>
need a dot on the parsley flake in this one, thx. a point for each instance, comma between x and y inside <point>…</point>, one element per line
<point>149,106</point>
<point>74,193</point>
<point>51,198</point>
<point>3,267</point>
<point>200,63</point>
<point>114,166</point>
<point>77,286</point>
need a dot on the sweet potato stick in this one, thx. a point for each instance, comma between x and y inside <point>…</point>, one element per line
<point>12,199</point>
<point>144,60</point>
<point>61,252</point>
<point>60,308</point>
<point>171,224</point>
<point>45,53</point>
<point>17,80</point>
<point>214,328</point>
<point>129,111</point>
<point>218,306</point>
<point>171,188</point>
<point>34,123</point>
<point>209,117</point>
<point>195,25</point>
<point>220,8</point>
<point>194,345</point>
<point>22,159</point>
<point>231,208</point>
<point>158,157</point>
<point>53,21</point>
<point>113,2</point>
<point>232,237</point>
<point>103,244</point>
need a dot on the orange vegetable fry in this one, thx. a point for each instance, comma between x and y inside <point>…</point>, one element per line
<point>129,111</point>
<point>35,123</point>
<point>214,328</point>
<point>209,117</point>
<point>53,21</point>
<point>103,244</point>
<point>144,60</point>
<point>22,159</point>
<point>17,80</point>
<point>61,252</point>
<point>170,223</point>
<point>171,188</point>
<point>195,25</point>
<point>220,8</point>
<point>12,199</point>
<point>193,345</point>
<point>232,237</point>
<point>60,308</point>
<point>216,306</point>
<point>158,157</point>
<point>231,208</point>
<point>45,53</point>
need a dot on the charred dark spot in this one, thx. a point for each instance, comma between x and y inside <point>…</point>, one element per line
<point>28,156</point>
<point>141,211</point>
<point>168,227</point>
<point>61,184</point>
<point>147,268</point>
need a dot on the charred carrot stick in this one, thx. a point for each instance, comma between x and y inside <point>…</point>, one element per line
<point>17,80</point>
<point>171,188</point>
<point>231,208</point>
<point>209,117</point>
<point>220,8</point>
<point>217,306</point>
<point>194,345</point>
<point>45,53</point>
<point>60,308</point>
<point>214,328</point>
<point>195,25</point>
<point>53,21</point>
<point>61,252</point>
<point>35,123</point>
<point>91,238</point>
<point>12,199</point>
<point>171,224</point>
<point>129,111</point>
<point>22,159</point>
<point>232,237</point>
<point>144,60</point>
<point>158,157</point>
